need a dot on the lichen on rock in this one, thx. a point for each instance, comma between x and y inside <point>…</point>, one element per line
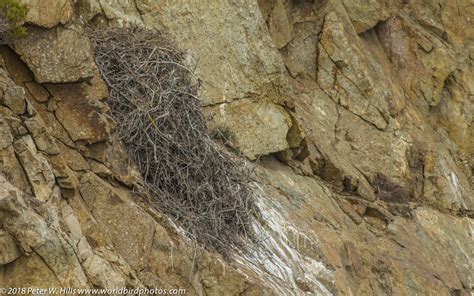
<point>354,116</point>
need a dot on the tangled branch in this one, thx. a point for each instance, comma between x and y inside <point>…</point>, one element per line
<point>154,102</point>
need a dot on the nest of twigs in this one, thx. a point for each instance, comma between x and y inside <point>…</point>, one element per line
<point>154,102</point>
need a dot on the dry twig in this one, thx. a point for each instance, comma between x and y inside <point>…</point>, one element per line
<point>159,118</point>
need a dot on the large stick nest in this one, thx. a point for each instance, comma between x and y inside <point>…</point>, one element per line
<point>154,103</point>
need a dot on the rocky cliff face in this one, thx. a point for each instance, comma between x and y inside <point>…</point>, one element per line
<point>359,112</point>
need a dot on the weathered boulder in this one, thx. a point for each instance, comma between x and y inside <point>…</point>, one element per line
<point>59,55</point>
<point>120,13</point>
<point>35,236</point>
<point>365,14</point>
<point>81,121</point>
<point>6,138</point>
<point>349,75</point>
<point>48,13</point>
<point>253,128</point>
<point>8,250</point>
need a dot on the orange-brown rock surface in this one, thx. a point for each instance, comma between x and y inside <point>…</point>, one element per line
<point>359,112</point>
